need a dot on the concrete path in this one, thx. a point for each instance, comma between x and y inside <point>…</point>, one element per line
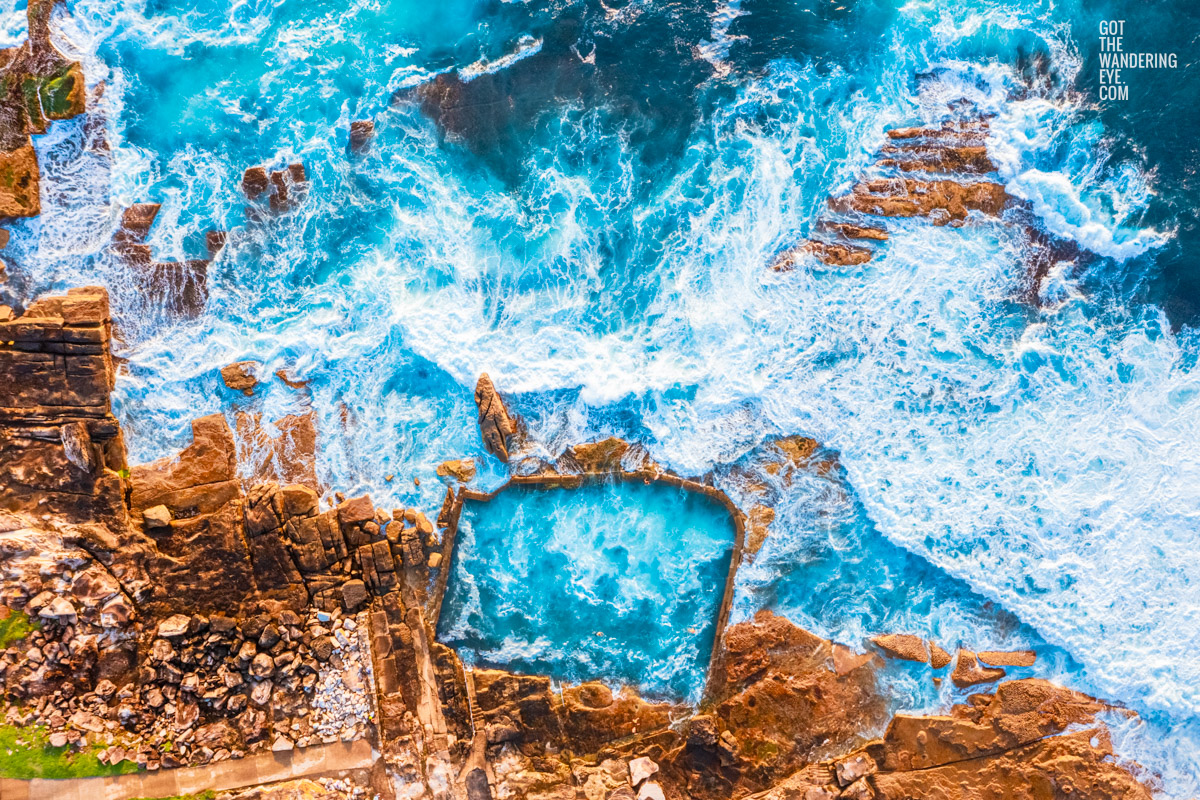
<point>259,768</point>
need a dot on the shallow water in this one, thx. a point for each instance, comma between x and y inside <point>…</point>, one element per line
<point>591,226</point>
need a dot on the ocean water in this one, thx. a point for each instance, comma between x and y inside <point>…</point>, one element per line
<point>588,216</point>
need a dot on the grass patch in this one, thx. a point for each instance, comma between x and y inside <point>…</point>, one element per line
<point>208,794</point>
<point>25,754</point>
<point>15,627</point>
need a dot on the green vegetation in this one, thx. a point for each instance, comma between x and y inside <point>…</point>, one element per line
<point>25,753</point>
<point>59,93</point>
<point>205,795</point>
<point>15,627</point>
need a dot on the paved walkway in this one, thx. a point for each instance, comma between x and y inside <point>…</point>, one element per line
<point>259,768</point>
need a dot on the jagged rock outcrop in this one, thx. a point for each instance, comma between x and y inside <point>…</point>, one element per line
<point>59,442</point>
<point>177,287</point>
<point>38,84</point>
<point>787,698</point>
<point>956,149</point>
<point>290,456</point>
<point>495,423</point>
<point>285,189</point>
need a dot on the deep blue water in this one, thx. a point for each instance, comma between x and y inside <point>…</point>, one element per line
<point>585,209</point>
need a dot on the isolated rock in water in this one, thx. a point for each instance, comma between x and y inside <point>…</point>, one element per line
<point>832,253</point>
<point>255,182</point>
<point>214,242</point>
<point>462,470</point>
<point>362,131</point>
<point>942,201</point>
<point>157,516</point>
<point>968,672</point>
<point>1013,658</point>
<point>903,646</point>
<point>241,376</point>
<point>938,657</point>
<point>495,423</point>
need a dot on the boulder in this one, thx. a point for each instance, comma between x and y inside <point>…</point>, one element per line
<point>903,646</point>
<point>254,182</point>
<point>938,658</point>
<point>158,516</point>
<point>362,132</point>
<point>495,423</point>
<point>1008,658</point>
<point>462,470</point>
<point>640,769</point>
<point>354,595</point>
<point>651,791</point>
<point>241,376</point>
<point>174,626</point>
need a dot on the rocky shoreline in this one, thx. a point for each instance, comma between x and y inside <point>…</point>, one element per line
<point>185,619</point>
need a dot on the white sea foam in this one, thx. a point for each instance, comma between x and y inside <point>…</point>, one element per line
<point>1046,458</point>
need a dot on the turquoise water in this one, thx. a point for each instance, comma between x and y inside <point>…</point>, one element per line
<point>589,221</point>
<point>620,583</point>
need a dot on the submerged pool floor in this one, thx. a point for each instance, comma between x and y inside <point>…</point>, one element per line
<point>615,582</point>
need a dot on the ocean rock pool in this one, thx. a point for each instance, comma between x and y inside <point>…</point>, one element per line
<point>619,582</point>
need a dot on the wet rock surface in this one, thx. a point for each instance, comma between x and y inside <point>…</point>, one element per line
<point>187,618</point>
<point>40,85</point>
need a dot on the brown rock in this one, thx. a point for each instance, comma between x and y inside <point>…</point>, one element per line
<point>850,231</point>
<point>832,253</point>
<point>20,191</point>
<point>215,241</point>
<point>941,201</point>
<point>1013,658</point>
<point>904,646</point>
<point>1067,766</point>
<point>362,131</point>
<point>157,516</point>
<point>298,500</point>
<point>967,671</point>
<point>254,182</point>
<point>136,222</point>
<point>938,657</point>
<point>495,423</point>
<point>241,376</point>
<point>774,685</point>
<point>77,446</point>
<point>206,464</point>
<point>462,470</point>
<point>600,457</point>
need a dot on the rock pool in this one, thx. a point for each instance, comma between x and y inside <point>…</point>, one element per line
<point>616,582</point>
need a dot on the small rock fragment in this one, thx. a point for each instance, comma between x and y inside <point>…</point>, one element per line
<point>157,517</point>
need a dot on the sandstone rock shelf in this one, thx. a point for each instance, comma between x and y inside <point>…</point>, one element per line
<point>235,622</point>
